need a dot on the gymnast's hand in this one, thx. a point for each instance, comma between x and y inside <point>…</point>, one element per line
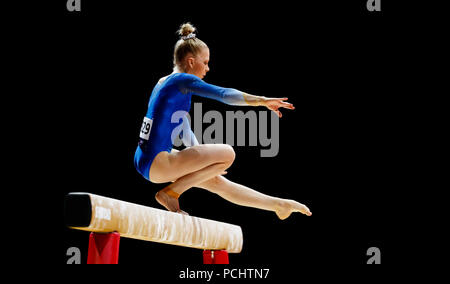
<point>275,103</point>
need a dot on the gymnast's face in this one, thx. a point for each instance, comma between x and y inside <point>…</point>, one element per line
<point>198,65</point>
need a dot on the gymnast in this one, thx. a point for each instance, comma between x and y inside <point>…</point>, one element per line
<point>197,165</point>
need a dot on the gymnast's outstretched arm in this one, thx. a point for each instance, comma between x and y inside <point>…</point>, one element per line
<point>232,96</point>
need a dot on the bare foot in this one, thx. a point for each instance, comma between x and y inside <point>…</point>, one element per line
<point>169,202</point>
<point>286,207</point>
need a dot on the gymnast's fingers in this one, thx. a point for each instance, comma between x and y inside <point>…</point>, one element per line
<point>306,211</point>
<point>287,105</point>
<point>278,113</point>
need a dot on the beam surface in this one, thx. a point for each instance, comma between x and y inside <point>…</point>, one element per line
<point>94,213</point>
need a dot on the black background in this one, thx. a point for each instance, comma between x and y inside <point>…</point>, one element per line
<point>341,150</point>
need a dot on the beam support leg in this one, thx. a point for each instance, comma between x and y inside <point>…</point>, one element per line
<point>215,257</point>
<point>103,248</point>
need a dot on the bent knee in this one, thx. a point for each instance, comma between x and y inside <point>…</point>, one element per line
<point>219,153</point>
<point>229,154</point>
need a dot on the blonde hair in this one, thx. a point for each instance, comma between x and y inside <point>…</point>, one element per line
<point>187,44</point>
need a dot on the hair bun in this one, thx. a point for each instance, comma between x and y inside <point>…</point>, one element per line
<point>186,29</point>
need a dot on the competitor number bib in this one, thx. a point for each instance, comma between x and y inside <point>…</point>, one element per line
<point>145,129</point>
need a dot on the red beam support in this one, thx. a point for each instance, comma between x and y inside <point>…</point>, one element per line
<point>103,248</point>
<point>215,257</point>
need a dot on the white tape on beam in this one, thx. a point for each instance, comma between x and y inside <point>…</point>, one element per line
<point>155,225</point>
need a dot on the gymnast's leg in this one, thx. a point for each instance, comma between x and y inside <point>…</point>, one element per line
<point>245,196</point>
<point>187,168</point>
<point>202,166</point>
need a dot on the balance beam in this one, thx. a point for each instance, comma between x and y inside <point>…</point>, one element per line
<point>94,213</point>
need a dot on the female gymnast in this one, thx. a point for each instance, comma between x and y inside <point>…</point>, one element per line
<point>197,165</point>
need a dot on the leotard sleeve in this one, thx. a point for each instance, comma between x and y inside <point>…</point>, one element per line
<point>225,95</point>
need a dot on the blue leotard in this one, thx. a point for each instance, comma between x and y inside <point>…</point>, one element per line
<point>168,97</point>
